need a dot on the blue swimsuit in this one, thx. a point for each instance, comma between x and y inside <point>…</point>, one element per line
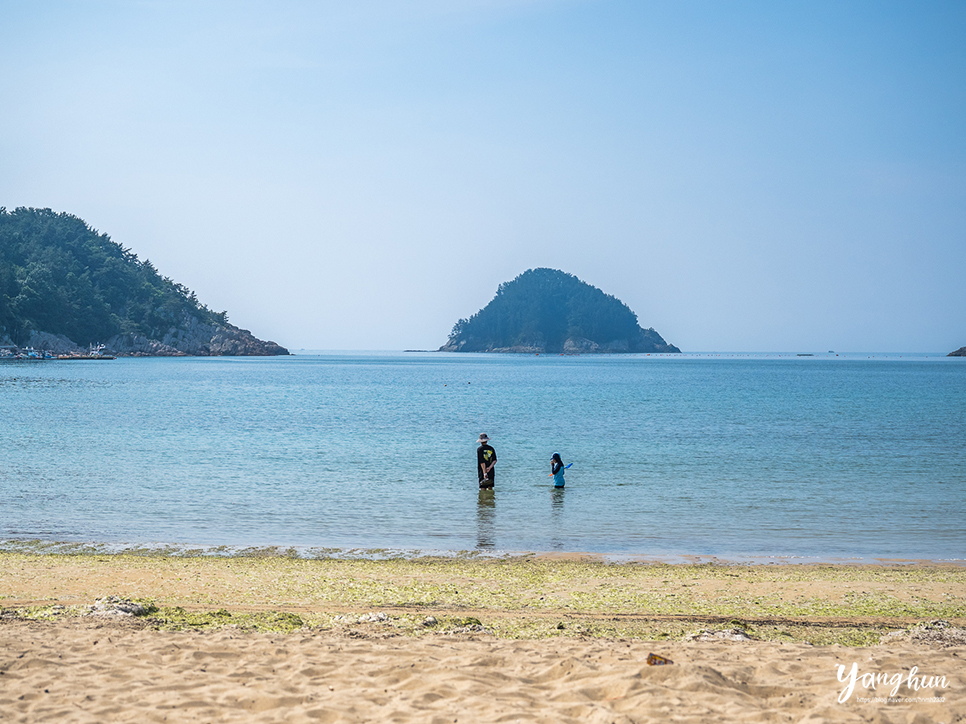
<point>558,475</point>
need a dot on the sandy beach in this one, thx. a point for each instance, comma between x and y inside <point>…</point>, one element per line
<point>273,638</point>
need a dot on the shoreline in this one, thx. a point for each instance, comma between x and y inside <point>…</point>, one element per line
<point>44,547</point>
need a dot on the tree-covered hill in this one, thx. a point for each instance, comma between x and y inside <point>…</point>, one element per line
<point>61,279</point>
<point>545,310</point>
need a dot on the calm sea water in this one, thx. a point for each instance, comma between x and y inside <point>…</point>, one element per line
<point>731,456</point>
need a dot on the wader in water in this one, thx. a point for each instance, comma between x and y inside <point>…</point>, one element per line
<point>485,462</point>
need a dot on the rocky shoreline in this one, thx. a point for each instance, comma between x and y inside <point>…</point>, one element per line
<point>648,341</point>
<point>193,339</point>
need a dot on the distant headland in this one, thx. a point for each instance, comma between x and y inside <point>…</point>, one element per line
<point>550,311</point>
<point>961,352</point>
<point>64,287</point>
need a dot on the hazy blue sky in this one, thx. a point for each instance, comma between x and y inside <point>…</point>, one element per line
<point>754,176</point>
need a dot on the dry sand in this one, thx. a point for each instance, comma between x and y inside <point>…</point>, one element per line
<point>122,669</point>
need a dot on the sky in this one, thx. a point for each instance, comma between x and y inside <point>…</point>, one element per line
<point>745,176</point>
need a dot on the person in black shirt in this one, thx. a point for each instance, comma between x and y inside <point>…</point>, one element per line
<point>485,461</point>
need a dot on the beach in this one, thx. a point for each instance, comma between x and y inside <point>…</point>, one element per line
<point>268,637</point>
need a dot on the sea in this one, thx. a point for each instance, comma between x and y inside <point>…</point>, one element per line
<point>713,456</point>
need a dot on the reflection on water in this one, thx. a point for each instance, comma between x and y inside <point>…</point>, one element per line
<point>485,518</point>
<point>556,517</point>
<point>556,502</point>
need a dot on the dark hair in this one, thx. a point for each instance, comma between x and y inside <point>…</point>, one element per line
<point>556,456</point>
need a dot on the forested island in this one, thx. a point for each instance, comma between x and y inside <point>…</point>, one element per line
<point>64,287</point>
<point>546,310</point>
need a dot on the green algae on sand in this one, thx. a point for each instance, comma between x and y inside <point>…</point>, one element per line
<point>522,597</point>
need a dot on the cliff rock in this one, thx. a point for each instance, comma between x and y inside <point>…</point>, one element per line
<point>195,338</point>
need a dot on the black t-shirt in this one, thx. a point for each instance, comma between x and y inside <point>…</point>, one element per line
<point>485,455</point>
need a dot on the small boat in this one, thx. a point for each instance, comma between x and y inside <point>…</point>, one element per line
<point>92,353</point>
<point>27,354</point>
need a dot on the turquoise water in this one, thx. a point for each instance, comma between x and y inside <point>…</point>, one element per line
<point>711,455</point>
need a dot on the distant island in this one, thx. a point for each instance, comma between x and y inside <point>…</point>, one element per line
<point>64,286</point>
<point>961,352</point>
<point>546,310</point>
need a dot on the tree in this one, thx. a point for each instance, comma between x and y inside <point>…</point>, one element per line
<point>59,275</point>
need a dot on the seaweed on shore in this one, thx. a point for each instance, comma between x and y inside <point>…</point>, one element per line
<point>521,597</point>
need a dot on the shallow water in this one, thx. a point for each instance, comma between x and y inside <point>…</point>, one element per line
<point>730,456</point>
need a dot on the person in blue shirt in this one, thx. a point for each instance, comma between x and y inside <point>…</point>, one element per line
<point>557,470</point>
